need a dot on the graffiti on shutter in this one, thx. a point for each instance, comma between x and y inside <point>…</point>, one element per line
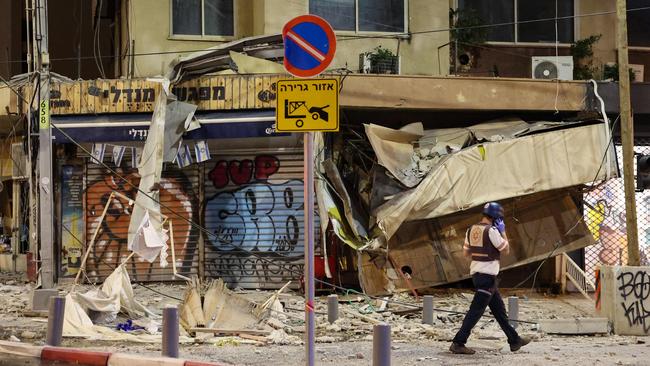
<point>178,197</point>
<point>254,214</point>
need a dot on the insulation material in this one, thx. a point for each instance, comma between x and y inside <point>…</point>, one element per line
<point>509,168</point>
<point>191,314</point>
<point>431,251</point>
<point>394,149</point>
<point>221,308</point>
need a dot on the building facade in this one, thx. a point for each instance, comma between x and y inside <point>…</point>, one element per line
<point>149,26</point>
<point>507,50</point>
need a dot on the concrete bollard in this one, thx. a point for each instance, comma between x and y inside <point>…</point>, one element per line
<point>381,345</point>
<point>332,308</point>
<point>513,310</point>
<point>170,332</point>
<point>427,310</point>
<point>55,321</point>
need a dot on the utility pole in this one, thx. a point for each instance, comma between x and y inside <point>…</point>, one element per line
<point>45,184</point>
<point>627,133</point>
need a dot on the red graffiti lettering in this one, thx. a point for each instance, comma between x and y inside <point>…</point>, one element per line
<point>219,174</point>
<point>240,172</point>
<point>266,166</point>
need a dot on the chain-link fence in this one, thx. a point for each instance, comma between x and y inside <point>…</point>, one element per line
<point>605,215</point>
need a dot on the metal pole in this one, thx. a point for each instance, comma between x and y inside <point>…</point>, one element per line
<point>427,310</point>
<point>332,308</point>
<point>513,310</point>
<point>46,186</point>
<point>309,246</point>
<point>55,321</point>
<point>381,345</point>
<point>627,134</point>
<point>170,332</point>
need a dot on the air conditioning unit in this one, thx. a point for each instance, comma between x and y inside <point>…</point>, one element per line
<point>19,161</point>
<point>552,67</point>
<point>637,70</point>
<point>389,66</point>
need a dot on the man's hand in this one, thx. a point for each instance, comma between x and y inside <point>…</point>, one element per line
<point>500,225</point>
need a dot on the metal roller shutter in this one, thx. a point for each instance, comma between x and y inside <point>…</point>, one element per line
<point>179,196</point>
<point>254,213</point>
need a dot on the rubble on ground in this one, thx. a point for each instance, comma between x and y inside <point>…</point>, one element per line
<point>282,321</point>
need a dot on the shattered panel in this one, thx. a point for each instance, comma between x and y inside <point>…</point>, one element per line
<point>431,251</point>
<point>510,168</point>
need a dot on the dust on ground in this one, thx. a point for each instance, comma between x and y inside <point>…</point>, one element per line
<point>349,340</point>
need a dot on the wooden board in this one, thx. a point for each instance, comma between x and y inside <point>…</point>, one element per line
<point>227,92</point>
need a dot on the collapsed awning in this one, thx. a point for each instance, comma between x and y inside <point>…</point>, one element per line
<point>496,170</point>
<point>135,127</point>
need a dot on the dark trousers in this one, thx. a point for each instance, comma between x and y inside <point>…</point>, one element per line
<point>486,295</point>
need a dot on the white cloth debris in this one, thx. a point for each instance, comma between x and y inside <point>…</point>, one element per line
<point>148,242</point>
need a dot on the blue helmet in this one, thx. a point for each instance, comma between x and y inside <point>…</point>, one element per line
<point>493,210</point>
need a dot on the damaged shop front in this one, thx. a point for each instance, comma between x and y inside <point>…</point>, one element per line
<point>404,197</point>
<point>233,190</point>
<point>398,196</point>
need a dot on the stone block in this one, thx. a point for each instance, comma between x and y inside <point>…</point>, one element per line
<point>625,298</point>
<point>41,299</point>
<point>575,326</point>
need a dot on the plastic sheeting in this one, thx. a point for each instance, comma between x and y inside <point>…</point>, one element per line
<point>115,294</point>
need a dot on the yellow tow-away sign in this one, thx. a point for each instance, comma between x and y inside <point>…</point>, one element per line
<point>307,105</point>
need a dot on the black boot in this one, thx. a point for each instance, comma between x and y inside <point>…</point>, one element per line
<point>460,349</point>
<point>522,341</point>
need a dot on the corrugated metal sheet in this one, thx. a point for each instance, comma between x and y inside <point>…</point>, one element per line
<point>179,197</point>
<point>254,212</point>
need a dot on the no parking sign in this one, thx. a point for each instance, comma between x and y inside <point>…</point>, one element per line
<point>309,45</point>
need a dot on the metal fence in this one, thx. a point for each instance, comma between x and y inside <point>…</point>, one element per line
<point>604,214</point>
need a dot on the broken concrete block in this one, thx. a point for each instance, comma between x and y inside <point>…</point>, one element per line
<point>575,326</point>
<point>624,298</point>
<point>41,299</point>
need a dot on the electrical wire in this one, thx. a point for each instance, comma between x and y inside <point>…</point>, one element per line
<point>250,252</point>
<point>347,38</point>
<point>97,52</point>
<point>342,39</point>
<point>448,29</point>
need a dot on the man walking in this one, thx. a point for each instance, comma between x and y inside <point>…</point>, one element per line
<point>484,242</point>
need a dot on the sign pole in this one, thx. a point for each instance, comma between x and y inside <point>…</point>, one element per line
<point>307,106</point>
<point>310,323</point>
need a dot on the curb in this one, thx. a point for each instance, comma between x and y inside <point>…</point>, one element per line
<point>90,358</point>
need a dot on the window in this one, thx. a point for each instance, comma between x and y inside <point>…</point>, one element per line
<point>203,17</point>
<point>637,23</point>
<point>522,14</point>
<point>362,15</point>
